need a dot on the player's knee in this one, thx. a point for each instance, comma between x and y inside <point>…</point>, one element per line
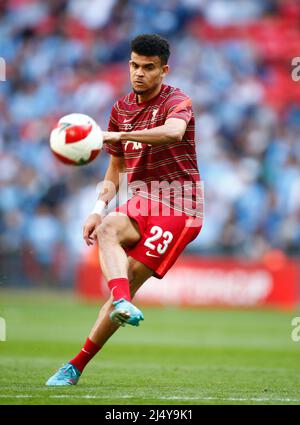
<point>109,303</point>
<point>106,308</point>
<point>106,231</point>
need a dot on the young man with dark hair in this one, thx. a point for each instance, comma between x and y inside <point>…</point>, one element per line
<point>151,138</point>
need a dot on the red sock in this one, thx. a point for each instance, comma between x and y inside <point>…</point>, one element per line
<point>119,288</point>
<point>86,354</point>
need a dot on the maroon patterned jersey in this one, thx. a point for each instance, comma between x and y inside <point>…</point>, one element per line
<point>167,172</point>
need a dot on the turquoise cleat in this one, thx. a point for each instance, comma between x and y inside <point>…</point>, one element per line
<point>125,312</point>
<point>66,375</point>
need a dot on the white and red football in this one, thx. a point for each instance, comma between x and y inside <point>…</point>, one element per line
<point>76,140</point>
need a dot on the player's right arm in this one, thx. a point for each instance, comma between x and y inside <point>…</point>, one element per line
<point>109,189</point>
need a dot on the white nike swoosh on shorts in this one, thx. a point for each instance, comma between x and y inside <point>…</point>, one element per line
<point>148,253</point>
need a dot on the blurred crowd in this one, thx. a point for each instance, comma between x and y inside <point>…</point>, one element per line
<point>66,56</point>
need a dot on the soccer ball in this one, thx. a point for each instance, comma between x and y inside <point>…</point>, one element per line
<point>76,140</point>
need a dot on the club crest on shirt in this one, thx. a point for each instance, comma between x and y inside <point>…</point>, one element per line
<point>154,112</point>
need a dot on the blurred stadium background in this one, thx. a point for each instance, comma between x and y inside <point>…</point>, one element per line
<point>232,57</point>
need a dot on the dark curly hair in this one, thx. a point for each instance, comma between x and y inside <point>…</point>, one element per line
<point>151,45</point>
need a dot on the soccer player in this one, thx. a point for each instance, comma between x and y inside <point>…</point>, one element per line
<point>151,138</point>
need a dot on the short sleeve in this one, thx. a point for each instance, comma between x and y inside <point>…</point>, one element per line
<point>114,149</point>
<point>179,106</point>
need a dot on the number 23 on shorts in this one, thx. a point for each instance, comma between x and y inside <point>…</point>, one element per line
<point>157,233</point>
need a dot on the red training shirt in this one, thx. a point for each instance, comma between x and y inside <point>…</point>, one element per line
<point>173,163</point>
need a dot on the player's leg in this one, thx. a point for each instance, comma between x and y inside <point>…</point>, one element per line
<point>114,233</point>
<point>102,330</point>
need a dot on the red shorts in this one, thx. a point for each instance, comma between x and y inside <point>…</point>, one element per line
<point>165,233</point>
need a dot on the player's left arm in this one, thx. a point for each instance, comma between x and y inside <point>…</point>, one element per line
<point>172,131</point>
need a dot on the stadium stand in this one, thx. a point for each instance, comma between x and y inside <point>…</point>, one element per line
<point>232,57</point>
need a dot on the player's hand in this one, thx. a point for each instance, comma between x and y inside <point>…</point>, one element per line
<point>111,137</point>
<point>89,228</point>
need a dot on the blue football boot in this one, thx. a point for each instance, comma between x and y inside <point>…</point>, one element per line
<point>125,312</point>
<point>66,375</point>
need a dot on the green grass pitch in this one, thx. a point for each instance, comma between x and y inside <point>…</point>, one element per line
<point>177,356</point>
